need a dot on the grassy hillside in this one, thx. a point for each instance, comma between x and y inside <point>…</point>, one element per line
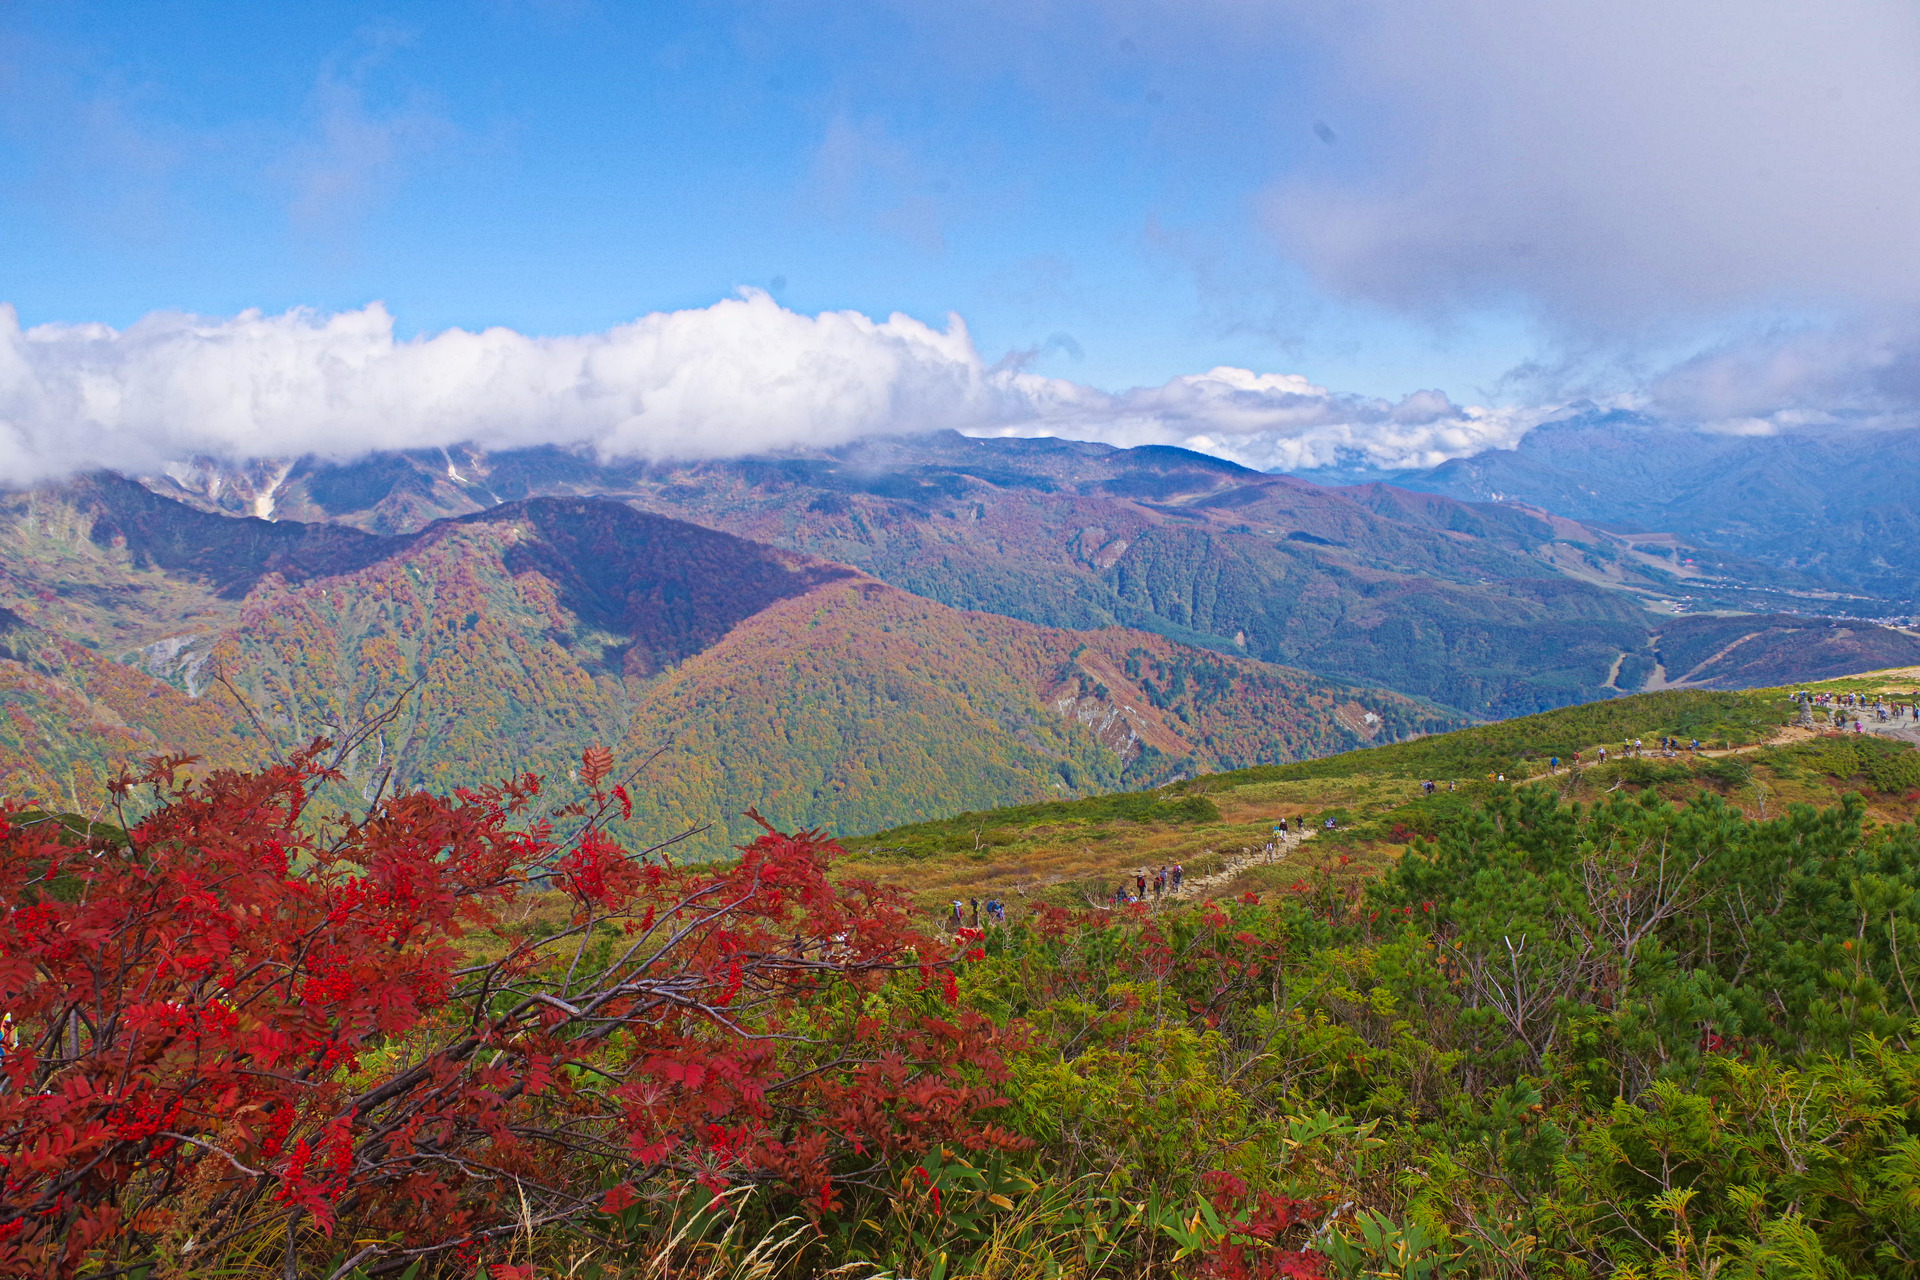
<point>1074,852</point>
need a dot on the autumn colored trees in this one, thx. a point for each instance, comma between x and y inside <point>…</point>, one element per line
<point>241,1016</point>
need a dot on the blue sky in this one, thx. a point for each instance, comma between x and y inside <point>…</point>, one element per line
<point>1081,186</point>
<point>1703,210</point>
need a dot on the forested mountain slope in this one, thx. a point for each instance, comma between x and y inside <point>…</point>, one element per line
<point>1742,651</point>
<point>510,639</point>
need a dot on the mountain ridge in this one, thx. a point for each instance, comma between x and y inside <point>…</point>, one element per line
<point>1839,505</point>
<point>1476,611</point>
<point>512,638</point>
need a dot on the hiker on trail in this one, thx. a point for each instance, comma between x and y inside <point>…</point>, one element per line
<point>1140,883</point>
<point>1282,830</point>
<point>1696,746</point>
<point>976,911</point>
<point>1179,874</point>
<point>1449,784</point>
<point>1603,755</point>
<point>1553,764</point>
<point>1332,824</point>
<point>959,917</point>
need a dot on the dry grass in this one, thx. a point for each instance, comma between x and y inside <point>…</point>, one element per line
<point>1077,865</point>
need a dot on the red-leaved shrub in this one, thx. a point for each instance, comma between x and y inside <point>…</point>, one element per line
<point>275,1020</point>
<point>1257,1227</point>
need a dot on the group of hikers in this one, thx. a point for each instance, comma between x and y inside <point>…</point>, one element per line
<point>1282,832</point>
<point>1162,882</point>
<point>1842,705</point>
<point>1630,748</point>
<point>957,917</point>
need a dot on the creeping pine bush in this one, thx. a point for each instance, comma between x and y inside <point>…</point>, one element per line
<point>1891,766</point>
<point>242,1019</point>
<point>1895,772</point>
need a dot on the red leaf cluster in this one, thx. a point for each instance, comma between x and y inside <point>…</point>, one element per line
<point>334,1020</point>
<point>1257,1227</point>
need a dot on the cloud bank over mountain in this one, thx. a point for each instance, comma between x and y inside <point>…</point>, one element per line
<point>1861,373</point>
<point>743,375</point>
<point>1632,176</point>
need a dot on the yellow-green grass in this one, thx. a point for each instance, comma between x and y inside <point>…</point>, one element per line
<point>1073,861</point>
<point>1074,853</point>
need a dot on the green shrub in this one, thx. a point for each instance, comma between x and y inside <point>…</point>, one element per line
<point>1728,771</point>
<point>1896,772</point>
<point>1837,759</point>
<point>1646,773</point>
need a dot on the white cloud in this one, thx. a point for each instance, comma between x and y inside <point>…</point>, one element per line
<point>1275,421</point>
<point>744,375</point>
<point>1612,163</point>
